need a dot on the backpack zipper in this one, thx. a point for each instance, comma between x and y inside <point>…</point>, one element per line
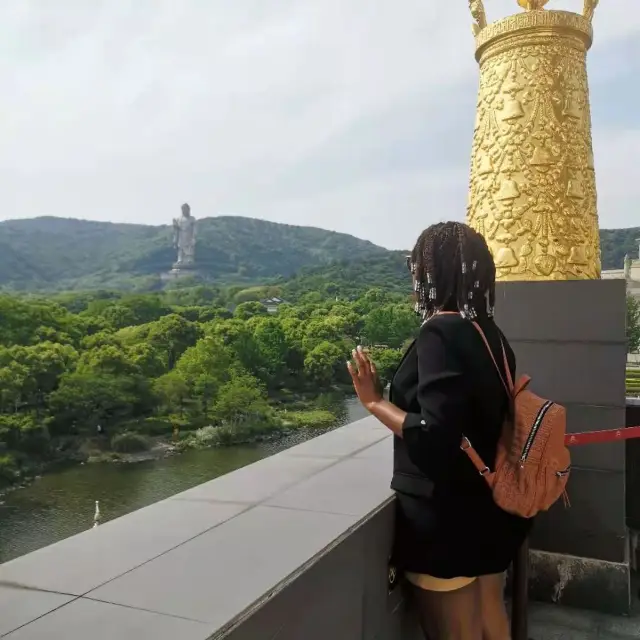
<point>534,431</point>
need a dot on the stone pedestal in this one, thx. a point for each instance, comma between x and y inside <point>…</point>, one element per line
<point>570,337</point>
<point>179,272</point>
<point>183,267</point>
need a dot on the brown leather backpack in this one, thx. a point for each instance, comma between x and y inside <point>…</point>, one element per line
<point>532,463</point>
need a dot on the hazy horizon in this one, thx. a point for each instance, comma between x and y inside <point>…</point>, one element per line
<point>348,117</point>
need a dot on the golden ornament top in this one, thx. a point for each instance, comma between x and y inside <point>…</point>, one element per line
<point>535,21</point>
<point>589,9</point>
<point>477,13</point>
<point>532,5</point>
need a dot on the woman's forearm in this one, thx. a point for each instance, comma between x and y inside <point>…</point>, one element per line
<point>390,416</point>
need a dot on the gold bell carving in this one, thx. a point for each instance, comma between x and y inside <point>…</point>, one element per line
<point>577,256</point>
<point>541,159</point>
<point>485,166</point>
<point>509,191</point>
<point>512,110</point>
<point>575,190</point>
<point>571,109</point>
<point>506,258</point>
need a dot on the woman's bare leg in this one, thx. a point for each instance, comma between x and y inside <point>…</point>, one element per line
<point>495,622</point>
<point>450,615</point>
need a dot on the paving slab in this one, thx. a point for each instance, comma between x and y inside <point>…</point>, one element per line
<point>215,577</point>
<point>343,442</point>
<point>382,450</point>
<point>19,606</point>
<point>83,619</point>
<point>351,487</point>
<point>258,481</point>
<point>87,560</point>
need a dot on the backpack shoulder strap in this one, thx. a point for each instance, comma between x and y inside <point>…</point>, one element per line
<point>508,384</point>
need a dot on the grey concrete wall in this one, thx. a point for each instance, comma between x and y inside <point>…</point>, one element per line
<point>293,547</point>
<point>570,337</point>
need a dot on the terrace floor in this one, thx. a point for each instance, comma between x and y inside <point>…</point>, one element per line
<point>550,622</point>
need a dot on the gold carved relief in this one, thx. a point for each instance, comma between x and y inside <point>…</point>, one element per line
<point>477,13</point>
<point>532,188</point>
<point>589,9</point>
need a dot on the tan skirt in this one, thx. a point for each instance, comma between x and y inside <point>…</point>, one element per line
<point>429,583</point>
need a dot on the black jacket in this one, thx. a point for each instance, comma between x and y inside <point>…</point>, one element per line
<point>447,523</point>
<point>448,384</point>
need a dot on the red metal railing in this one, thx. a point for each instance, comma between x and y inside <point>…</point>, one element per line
<point>598,437</point>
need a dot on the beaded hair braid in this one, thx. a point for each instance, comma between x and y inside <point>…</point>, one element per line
<point>453,268</point>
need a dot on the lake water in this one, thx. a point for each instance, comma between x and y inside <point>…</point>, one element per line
<point>61,504</point>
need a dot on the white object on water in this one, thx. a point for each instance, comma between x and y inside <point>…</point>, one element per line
<point>96,515</point>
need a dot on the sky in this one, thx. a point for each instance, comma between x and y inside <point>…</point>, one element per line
<point>351,115</point>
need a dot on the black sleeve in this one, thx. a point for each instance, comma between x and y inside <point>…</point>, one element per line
<point>433,436</point>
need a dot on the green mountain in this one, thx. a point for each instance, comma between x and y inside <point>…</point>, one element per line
<point>615,243</point>
<point>63,254</point>
<point>55,254</point>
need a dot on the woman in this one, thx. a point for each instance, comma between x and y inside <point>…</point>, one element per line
<point>452,541</point>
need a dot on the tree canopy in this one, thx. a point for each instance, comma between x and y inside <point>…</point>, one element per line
<point>74,367</point>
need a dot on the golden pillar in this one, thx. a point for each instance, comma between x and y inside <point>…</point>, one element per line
<point>533,190</point>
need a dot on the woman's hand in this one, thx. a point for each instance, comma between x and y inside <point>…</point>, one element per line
<point>365,379</point>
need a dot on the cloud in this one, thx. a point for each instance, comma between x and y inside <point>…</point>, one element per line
<point>354,116</point>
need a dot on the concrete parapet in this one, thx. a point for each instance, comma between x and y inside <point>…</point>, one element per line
<point>293,546</point>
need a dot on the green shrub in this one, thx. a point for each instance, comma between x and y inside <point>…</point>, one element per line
<point>26,433</point>
<point>225,435</point>
<point>316,418</point>
<point>8,469</point>
<point>128,442</point>
<point>209,436</point>
<point>206,436</point>
<point>243,432</point>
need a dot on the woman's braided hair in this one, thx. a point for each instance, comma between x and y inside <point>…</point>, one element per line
<point>453,270</point>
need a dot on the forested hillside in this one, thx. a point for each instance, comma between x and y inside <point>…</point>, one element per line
<point>59,254</point>
<point>54,254</point>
